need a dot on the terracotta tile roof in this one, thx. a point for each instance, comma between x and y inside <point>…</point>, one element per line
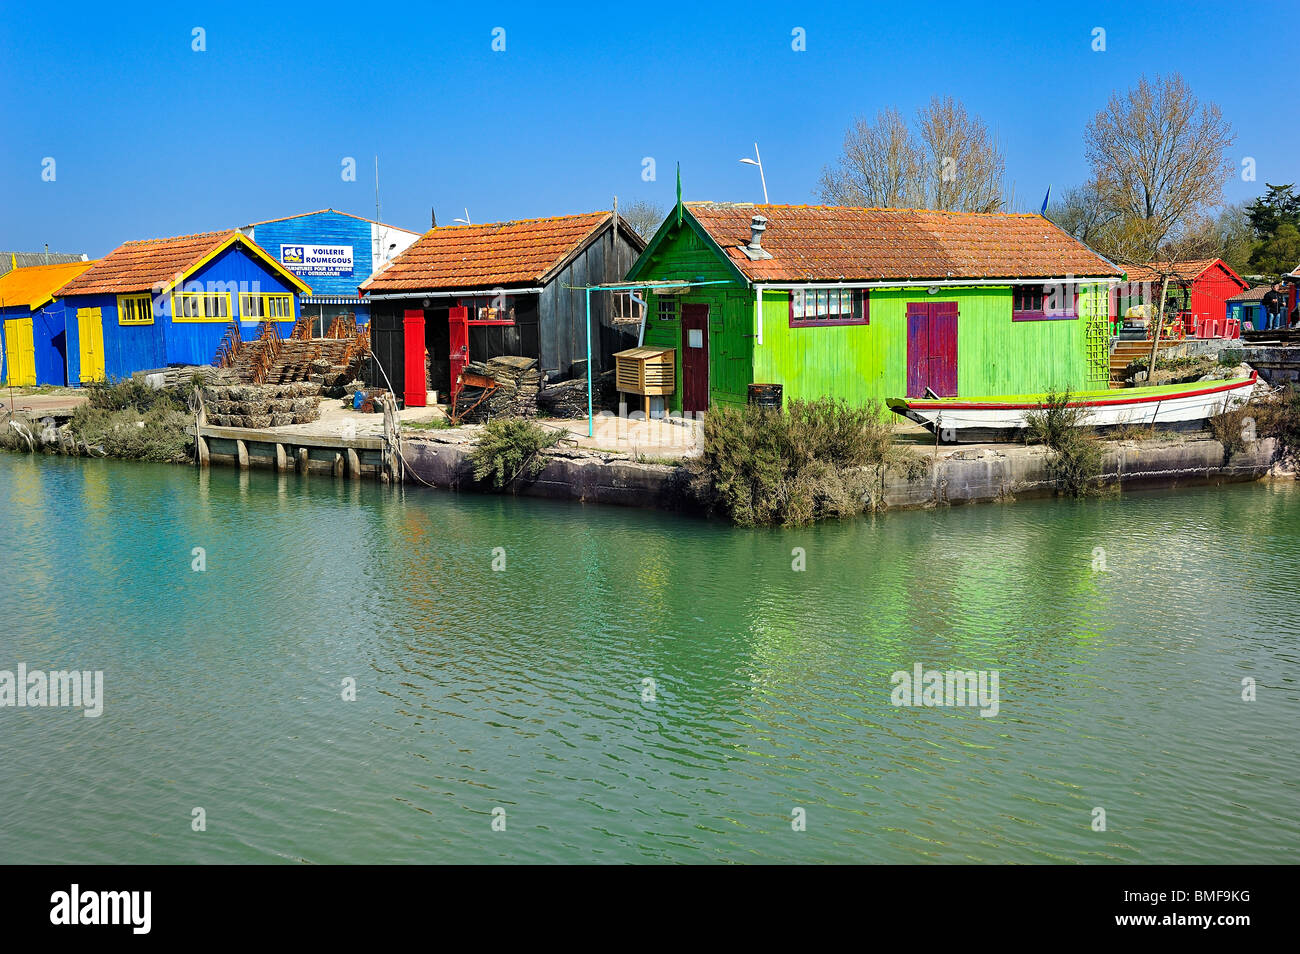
<point>1252,294</point>
<point>36,285</point>
<point>835,243</point>
<point>139,266</point>
<point>1178,271</point>
<point>485,256</point>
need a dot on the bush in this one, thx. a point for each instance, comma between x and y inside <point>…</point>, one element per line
<point>1280,418</point>
<point>159,434</point>
<point>123,393</point>
<point>814,460</point>
<point>510,448</point>
<point>1231,357</point>
<point>1229,427</point>
<point>1075,457</point>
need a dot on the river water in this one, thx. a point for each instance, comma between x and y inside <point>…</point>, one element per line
<point>635,686</point>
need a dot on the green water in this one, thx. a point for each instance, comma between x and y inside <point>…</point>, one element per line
<point>523,689</point>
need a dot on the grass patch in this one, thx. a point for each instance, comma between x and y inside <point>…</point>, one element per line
<point>157,434</point>
<point>510,448</point>
<point>436,424</point>
<point>812,461</point>
<point>1074,454</point>
<point>1233,427</point>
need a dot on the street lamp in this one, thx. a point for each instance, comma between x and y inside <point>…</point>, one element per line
<point>758,161</point>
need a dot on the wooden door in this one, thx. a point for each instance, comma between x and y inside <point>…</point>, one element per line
<point>90,344</point>
<point>932,348</point>
<point>458,344</point>
<point>415,383</point>
<point>695,357</point>
<point>20,353</point>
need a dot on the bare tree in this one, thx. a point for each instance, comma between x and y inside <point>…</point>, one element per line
<point>644,216</point>
<point>1159,157</point>
<point>949,161</point>
<point>963,166</point>
<point>1081,212</point>
<point>880,165</point>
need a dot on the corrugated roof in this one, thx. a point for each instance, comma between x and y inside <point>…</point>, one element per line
<point>28,259</point>
<point>143,265</point>
<point>838,243</point>
<point>35,286</point>
<point>485,256</point>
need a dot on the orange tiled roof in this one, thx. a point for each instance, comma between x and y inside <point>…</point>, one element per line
<point>1178,271</point>
<point>485,256</point>
<point>835,243</point>
<point>35,285</point>
<point>139,266</point>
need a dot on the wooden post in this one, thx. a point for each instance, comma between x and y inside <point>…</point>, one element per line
<point>338,464</point>
<point>201,447</point>
<point>302,460</point>
<point>1160,325</point>
<point>281,463</point>
<point>241,452</point>
<point>354,463</point>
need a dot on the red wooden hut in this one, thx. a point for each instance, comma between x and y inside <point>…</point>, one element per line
<point>1201,290</point>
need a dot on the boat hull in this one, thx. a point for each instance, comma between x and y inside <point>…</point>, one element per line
<point>979,420</point>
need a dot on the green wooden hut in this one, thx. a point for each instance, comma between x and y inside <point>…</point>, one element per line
<point>873,303</point>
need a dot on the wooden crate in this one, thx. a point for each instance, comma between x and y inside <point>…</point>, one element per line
<point>646,371</point>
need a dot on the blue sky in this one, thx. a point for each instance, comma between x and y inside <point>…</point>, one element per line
<point>151,138</point>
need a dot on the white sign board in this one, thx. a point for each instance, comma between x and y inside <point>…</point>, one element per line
<point>317,259</point>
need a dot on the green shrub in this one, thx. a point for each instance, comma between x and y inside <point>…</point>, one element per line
<point>158,434</point>
<point>1231,357</point>
<point>1229,427</point>
<point>123,393</point>
<point>510,448</point>
<point>1075,454</point>
<point>1280,418</point>
<point>811,461</point>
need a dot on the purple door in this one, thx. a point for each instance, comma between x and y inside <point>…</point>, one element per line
<point>932,348</point>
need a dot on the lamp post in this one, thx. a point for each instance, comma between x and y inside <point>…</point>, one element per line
<point>758,161</point>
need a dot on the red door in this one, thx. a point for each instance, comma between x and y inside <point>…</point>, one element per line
<point>458,328</point>
<point>695,357</point>
<point>413,365</point>
<point>932,348</point>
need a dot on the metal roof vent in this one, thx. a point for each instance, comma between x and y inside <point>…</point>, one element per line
<point>754,250</point>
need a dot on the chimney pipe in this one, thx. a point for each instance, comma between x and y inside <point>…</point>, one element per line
<point>433,218</point>
<point>757,226</point>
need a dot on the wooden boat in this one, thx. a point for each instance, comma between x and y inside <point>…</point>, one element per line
<point>1002,418</point>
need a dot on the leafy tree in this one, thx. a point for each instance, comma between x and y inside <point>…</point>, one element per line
<point>1279,254</point>
<point>1279,206</point>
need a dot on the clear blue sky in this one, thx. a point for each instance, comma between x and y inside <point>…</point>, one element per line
<point>153,139</point>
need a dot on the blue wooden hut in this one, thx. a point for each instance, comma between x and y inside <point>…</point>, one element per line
<point>169,301</point>
<point>334,252</point>
<point>33,331</point>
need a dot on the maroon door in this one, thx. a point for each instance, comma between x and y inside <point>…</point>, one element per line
<point>413,367</point>
<point>695,357</point>
<point>932,348</point>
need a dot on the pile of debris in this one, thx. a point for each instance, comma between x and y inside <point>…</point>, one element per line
<point>569,398</point>
<point>262,405</point>
<point>517,383</point>
<point>184,376</point>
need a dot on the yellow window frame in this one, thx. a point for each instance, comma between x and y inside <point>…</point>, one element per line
<point>264,309</point>
<point>202,296</point>
<point>137,303</point>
